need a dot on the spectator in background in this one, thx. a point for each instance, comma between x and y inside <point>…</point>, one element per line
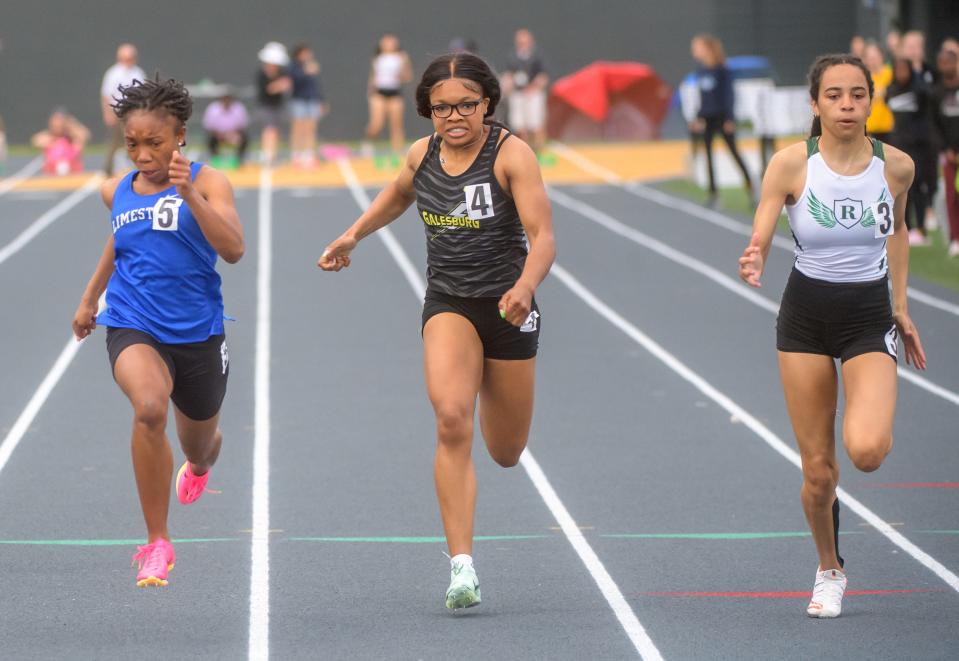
<point>524,85</point>
<point>62,143</point>
<point>124,72</point>
<point>914,50</point>
<point>880,122</point>
<point>226,122</point>
<point>272,85</point>
<point>909,98</point>
<point>389,71</point>
<point>307,105</point>
<point>950,44</point>
<point>857,45</point>
<point>946,113</point>
<point>893,44</point>
<point>716,106</point>
<point>463,45</point>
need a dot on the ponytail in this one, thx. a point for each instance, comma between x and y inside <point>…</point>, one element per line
<point>816,129</point>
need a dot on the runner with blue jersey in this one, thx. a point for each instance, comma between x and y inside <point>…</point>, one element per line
<point>845,195</point>
<point>170,220</point>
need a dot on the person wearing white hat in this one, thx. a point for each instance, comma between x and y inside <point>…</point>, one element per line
<point>272,85</point>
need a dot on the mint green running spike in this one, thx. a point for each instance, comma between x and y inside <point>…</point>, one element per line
<point>464,590</point>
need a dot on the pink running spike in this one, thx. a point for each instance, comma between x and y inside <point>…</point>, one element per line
<point>190,487</point>
<point>156,560</point>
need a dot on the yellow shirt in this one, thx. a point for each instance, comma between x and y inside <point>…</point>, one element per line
<point>880,119</point>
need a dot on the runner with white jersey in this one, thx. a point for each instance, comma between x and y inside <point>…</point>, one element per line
<point>845,195</point>
<point>391,69</point>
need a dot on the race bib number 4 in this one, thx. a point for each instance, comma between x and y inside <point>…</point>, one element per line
<point>166,213</point>
<point>479,201</point>
<point>882,212</point>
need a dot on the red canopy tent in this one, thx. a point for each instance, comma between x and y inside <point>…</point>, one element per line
<point>608,100</point>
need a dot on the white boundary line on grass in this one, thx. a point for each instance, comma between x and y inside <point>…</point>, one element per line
<point>614,597</point>
<point>710,216</point>
<point>41,223</point>
<point>9,183</point>
<point>259,643</point>
<point>727,282</point>
<point>758,428</point>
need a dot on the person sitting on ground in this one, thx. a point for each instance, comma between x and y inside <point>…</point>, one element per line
<point>62,143</point>
<point>225,122</point>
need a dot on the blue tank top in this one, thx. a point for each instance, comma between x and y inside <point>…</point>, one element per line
<point>164,281</point>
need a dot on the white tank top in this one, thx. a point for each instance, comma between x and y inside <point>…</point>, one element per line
<point>840,223</point>
<point>388,71</point>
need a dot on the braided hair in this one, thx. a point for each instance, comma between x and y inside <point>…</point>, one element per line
<point>169,95</point>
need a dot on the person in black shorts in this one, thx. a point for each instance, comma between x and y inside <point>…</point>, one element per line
<point>480,196</point>
<point>845,195</point>
<point>171,220</point>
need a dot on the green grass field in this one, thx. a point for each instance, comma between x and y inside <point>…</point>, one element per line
<point>928,262</point>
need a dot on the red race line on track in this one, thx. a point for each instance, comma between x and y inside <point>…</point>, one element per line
<point>913,485</point>
<point>780,595</point>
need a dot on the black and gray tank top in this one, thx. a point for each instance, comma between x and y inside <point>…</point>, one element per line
<point>475,243</point>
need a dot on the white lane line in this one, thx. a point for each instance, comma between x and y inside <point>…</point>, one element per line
<point>710,216</point>
<point>259,643</point>
<point>41,223</point>
<point>40,395</point>
<point>727,282</point>
<point>614,597</point>
<point>747,419</point>
<point>9,183</point>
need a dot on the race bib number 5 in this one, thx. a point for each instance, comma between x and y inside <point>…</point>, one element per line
<point>882,212</point>
<point>479,201</point>
<point>166,213</point>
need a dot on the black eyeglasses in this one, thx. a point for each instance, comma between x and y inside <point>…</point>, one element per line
<point>464,108</point>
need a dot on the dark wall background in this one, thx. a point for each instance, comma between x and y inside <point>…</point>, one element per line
<point>55,52</point>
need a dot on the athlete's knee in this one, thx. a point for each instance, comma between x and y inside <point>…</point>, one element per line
<point>454,421</point>
<point>866,446</point>
<point>868,457</point>
<point>507,454</point>
<point>150,412</point>
<point>819,478</point>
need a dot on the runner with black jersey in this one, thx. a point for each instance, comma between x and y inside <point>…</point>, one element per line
<point>481,199</point>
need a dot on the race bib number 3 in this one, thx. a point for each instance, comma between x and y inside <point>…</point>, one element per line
<point>166,213</point>
<point>882,212</point>
<point>479,201</point>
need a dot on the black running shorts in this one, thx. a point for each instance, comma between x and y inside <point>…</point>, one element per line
<point>199,369</point>
<point>501,339</point>
<point>838,319</point>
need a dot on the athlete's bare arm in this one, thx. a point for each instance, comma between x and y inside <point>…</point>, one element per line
<point>84,319</point>
<point>899,172</point>
<point>210,199</point>
<point>783,184</point>
<point>385,208</point>
<point>518,165</point>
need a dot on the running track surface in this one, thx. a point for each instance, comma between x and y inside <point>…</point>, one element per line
<point>688,541</point>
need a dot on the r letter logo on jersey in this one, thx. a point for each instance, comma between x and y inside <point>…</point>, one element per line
<point>848,212</point>
<point>166,213</point>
